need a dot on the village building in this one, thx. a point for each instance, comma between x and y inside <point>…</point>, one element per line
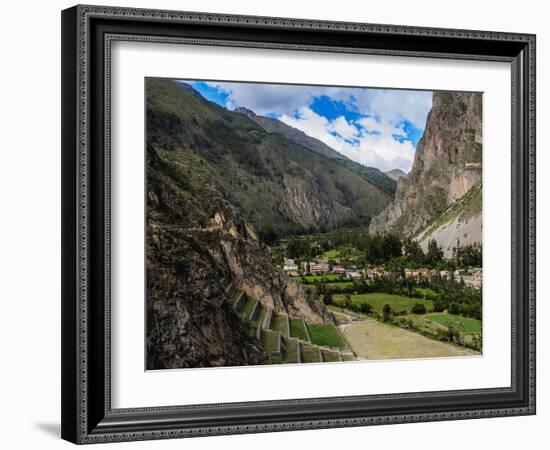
<point>339,270</point>
<point>318,268</point>
<point>354,274</point>
<point>289,265</point>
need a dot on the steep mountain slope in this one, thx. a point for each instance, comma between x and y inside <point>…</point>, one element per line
<point>395,174</point>
<point>197,245</point>
<point>371,174</point>
<point>292,134</point>
<point>280,187</point>
<point>462,221</point>
<point>447,165</point>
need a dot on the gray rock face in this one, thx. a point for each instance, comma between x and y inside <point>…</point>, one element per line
<point>467,231</point>
<point>197,245</point>
<point>447,165</point>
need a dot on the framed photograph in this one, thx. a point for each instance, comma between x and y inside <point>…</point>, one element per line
<point>281,224</point>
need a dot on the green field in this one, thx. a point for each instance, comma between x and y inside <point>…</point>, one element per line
<point>331,254</point>
<point>422,324</point>
<point>462,324</point>
<point>340,284</point>
<point>340,253</point>
<point>326,335</point>
<point>279,323</point>
<point>336,284</point>
<point>298,329</point>
<point>331,277</point>
<point>428,293</point>
<point>377,300</point>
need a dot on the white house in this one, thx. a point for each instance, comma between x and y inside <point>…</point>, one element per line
<point>289,265</point>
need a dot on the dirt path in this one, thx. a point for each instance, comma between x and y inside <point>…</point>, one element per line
<point>374,340</point>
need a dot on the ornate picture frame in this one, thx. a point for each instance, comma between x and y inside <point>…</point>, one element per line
<point>87,35</point>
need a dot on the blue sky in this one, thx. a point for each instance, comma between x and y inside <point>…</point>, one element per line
<point>375,127</point>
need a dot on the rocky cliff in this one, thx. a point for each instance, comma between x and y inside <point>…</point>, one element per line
<point>447,166</point>
<point>197,246</point>
<point>280,187</point>
<point>462,221</point>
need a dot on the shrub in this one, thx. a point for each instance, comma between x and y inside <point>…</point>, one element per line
<point>365,308</point>
<point>454,308</point>
<point>387,311</point>
<point>418,308</point>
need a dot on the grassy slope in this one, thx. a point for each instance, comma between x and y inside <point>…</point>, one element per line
<point>298,330</point>
<point>203,140</point>
<point>325,335</point>
<point>462,324</point>
<point>378,299</point>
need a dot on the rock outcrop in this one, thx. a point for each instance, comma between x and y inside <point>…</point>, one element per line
<point>461,222</point>
<point>197,245</point>
<point>446,167</point>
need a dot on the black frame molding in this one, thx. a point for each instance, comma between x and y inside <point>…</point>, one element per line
<point>87,34</point>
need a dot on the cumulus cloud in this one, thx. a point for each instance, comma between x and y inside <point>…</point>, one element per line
<point>393,105</point>
<point>381,126</point>
<point>380,150</point>
<point>377,135</point>
<point>267,98</point>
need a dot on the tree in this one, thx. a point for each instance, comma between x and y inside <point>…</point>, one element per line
<point>413,251</point>
<point>327,298</point>
<point>439,306</point>
<point>386,311</point>
<point>434,254</point>
<point>454,308</point>
<point>365,308</point>
<point>418,308</point>
<point>347,302</point>
<point>267,234</point>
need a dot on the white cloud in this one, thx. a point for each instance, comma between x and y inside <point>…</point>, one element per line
<point>268,98</point>
<point>369,140</point>
<point>381,126</point>
<point>375,150</point>
<point>345,129</point>
<point>393,105</point>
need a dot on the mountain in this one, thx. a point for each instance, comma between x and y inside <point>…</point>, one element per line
<point>462,221</point>
<point>292,134</point>
<point>395,174</point>
<point>279,187</point>
<point>197,247</point>
<point>371,174</point>
<point>218,187</point>
<point>446,167</point>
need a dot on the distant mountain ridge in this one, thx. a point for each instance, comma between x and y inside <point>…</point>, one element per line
<point>371,174</point>
<point>395,174</point>
<point>291,133</point>
<point>278,185</point>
